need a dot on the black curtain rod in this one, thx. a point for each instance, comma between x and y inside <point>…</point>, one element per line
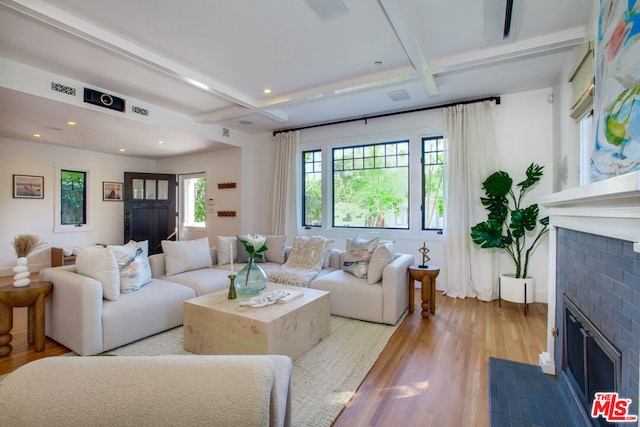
<point>365,118</point>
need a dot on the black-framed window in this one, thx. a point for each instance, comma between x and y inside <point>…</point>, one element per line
<point>371,186</point>
<point>312,188</point>
<point>433,151</point>
<point>73,197</point>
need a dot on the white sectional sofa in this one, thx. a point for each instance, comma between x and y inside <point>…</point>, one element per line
<point>381,302</point>
<point>149,391</point>
<point>78,317</point>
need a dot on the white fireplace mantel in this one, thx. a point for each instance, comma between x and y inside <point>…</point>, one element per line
<point>609,208</point>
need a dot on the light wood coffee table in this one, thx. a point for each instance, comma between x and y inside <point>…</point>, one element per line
<point>214,324</point>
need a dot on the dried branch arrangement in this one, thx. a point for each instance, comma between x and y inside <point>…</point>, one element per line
<point>24,244</point>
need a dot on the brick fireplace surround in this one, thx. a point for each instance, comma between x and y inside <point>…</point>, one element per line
<point>594,253</point>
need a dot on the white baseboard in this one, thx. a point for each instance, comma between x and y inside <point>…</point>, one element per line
<point>547,364</point>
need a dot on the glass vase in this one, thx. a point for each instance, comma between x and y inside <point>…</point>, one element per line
<point>251,279</point>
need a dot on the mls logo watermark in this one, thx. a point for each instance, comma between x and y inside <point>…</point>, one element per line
<point>612,408</point>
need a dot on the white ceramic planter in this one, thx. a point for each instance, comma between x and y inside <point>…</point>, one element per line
<point>512,289</point>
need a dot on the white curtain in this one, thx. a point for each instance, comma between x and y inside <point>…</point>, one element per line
<point>283,214</point>
<point>472,157</point>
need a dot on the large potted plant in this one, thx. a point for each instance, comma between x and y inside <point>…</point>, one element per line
<point>512,227</point>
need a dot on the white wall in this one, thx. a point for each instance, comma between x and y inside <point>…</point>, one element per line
<point>524,131</point>
<point>257,183</point>
<point>251,167</point>
<point>218,166</point>
<point>36,216</point>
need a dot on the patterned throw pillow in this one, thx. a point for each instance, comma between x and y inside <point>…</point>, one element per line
<point>358,256</point>
<point>133,265</point>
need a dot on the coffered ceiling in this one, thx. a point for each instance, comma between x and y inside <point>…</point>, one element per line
<point>210,62</point>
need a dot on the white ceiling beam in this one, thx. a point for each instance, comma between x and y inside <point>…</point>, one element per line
<point>238,111</point>
<point>342,87</point>
<point>275,114</point>
<point>526,48</point>
<point>72,25</point>
<point>398,20</point>
<point>221,114</point>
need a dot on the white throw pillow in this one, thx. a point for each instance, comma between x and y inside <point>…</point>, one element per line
<point>328,246</point>
<point>100,264</point>
<point>275,248</point>
<point>382,256</point>
<point>226,250</point>
<point>358,256</point>
<point>133,265</point>
<point>186,255</point>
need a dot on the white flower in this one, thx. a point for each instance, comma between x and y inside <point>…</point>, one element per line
<point>256,241</point>
<point>254,244</point>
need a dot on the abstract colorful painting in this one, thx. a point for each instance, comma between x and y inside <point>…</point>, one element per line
<point>617,99</point>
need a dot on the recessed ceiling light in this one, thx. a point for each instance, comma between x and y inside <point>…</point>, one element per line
<point>71,123</point>
<point>378,63</point>
<point>36,135</point>
<point>161,142</point>
<point>245,122</point>
<point>267,91</point>
<point>122,150</point>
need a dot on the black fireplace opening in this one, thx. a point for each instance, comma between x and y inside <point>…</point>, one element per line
<point>591,361</point>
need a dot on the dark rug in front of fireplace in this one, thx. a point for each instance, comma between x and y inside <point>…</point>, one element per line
<point>522,395</point>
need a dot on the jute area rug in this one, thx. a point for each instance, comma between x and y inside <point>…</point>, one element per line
<point>324,379</point>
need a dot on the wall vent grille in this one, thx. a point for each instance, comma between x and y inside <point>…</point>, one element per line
<point>139,110</point>
<point>226,132</point>
<point>59,87</point>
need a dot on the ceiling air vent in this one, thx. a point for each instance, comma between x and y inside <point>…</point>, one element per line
<point>226,132</point>
<point>328,9</point>
<point>139,110</point>
<point>398,95</point>
<point>59,87</point>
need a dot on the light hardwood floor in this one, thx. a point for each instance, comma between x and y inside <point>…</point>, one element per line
<point>433,372</point>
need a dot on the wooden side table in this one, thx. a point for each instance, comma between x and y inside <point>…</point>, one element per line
<point>427,276</point>
<point>31,296</point>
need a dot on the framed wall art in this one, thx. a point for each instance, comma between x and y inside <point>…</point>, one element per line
<point>112,191</point>
<point>617,100</point>
<point>28,187</point>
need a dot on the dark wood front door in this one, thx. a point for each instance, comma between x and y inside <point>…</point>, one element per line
<point>149,208</point>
